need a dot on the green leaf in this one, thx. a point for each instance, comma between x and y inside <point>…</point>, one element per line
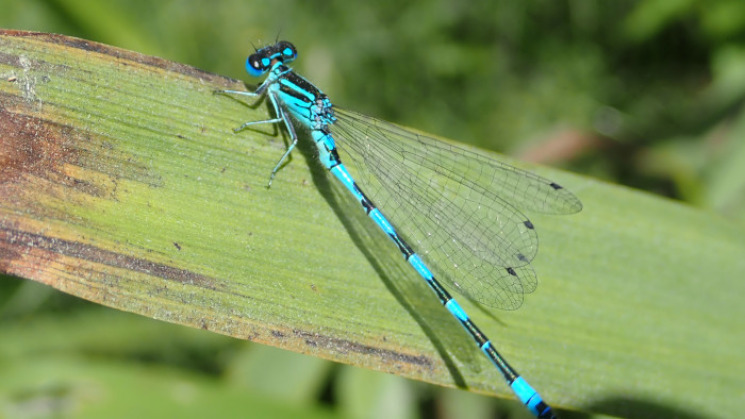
<point>122,182</point>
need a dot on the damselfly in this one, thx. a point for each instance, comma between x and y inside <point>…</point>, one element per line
<point>459,209</point>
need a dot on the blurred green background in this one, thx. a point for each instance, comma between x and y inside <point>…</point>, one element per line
<point>647,94</point>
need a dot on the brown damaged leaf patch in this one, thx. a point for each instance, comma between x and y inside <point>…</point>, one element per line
<point>29,145</point>
<point>35,155</point>
<point>344,345</point>
<point>14,244</point>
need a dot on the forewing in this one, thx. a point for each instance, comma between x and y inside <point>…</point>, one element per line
<point>457,208</point>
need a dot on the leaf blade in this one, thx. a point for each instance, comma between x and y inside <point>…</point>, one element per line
<point>123,184</point>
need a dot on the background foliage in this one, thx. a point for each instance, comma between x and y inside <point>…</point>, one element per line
<point>647,94</point>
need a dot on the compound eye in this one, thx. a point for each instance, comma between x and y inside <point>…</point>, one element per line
<point>257,64</point>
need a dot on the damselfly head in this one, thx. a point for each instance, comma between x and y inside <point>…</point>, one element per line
<point>263,59</point>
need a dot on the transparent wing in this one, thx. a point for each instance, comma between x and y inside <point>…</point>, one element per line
<point>458,209</point>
